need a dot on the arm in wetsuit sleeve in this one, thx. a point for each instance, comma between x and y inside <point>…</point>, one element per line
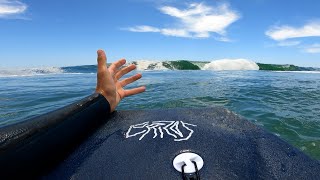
<point>31,148</point>
<point>34,146</point>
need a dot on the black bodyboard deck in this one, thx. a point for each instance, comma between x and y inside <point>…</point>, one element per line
<point>142,145</point>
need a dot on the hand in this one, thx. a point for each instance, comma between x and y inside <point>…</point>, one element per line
<point>108,83</point>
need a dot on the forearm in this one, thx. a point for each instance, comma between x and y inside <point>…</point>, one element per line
<point>37,144</point>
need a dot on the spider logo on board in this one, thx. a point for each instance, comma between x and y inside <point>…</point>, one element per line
<point>179,130</point>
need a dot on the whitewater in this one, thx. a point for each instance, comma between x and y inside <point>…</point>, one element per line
<point>142,65</point>
<point>220,65</point>
<point>152,65</point>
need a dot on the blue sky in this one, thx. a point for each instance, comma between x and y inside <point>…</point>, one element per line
<point>63,33</point>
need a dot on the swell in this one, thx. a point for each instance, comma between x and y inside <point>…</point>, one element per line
<point>146,65</point>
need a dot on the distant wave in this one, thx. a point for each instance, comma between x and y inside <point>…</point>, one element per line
<point>80,69</point>
<point>165,65</point>
<point>147,65</point>
<point>223,64</point>
<point>16,72</point>
<point>7,72</point>
<point>217,65</point>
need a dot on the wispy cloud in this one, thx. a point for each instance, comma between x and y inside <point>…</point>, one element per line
<point>280,33</point>
<point>223,39</point>
<point>10,8</point>
<point>143,29</point>
<point>288,43</point>
<point>286,36</point>
<point>314,48</point>
<point>196,21</point>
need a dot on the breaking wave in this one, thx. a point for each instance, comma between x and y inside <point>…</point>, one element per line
<point>16,72</point>
<point>147,65</point>
<point>166,65</point>
<point>7,72</point>
<point>231,64</point>
<point>217,65</point>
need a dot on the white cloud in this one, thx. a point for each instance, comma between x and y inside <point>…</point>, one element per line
<point>12,7</point>
<point>143,29</point>
<point>176,32</point>
<point>288,43</point>
<point>223,39</point>
<point>314,48</point>
<point>284,35</point>
<point>280,33</point>
<point>196,21</point>
<point>164,31</point>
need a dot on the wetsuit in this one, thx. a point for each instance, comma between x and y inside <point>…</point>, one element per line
<point>31,148</point>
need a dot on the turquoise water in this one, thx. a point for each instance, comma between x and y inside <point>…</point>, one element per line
<point>284,103</point>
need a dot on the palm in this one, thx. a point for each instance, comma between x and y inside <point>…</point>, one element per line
<point>109,83</point>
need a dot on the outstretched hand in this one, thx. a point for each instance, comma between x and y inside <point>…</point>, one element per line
<point>109,83</point>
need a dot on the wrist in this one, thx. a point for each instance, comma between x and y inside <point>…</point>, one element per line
<point>110,99</point>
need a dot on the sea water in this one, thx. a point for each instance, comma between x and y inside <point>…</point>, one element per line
<point>284,103</point>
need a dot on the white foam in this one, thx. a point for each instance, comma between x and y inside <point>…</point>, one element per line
<point>149,65</point>
<point>231,64</point>
<point>14,72</point>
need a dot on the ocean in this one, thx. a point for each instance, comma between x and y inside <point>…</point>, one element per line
<point>284,103</point>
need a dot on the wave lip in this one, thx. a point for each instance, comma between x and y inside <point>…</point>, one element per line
<point>149,65</point>
<point>231,64</point>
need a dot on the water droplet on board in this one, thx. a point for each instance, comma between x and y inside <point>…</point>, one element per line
<point>291,154</point>
<point>283,168</point>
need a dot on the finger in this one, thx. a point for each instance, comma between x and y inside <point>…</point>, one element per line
<point>125,71</point>
<point>102,69</point>
<point>117,70</point>
<point>102,61</point>
<point>134,91</point>
<point>116,65</point>
<point>130,80</point>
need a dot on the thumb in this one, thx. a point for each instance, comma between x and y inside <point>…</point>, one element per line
<point>102,70</point>
<point>102,60</point>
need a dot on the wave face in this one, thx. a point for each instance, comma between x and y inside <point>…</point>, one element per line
<point>165,65</point>
<point>80,69</point>
<point>149,65</point>
<point>231,64</point>
<point>217,65</point>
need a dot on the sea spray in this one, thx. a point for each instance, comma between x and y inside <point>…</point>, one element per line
<point>231,64</point>
<point>7,72</point>
<point>149,65</point>
<point>223,64</point>
<point>165,65</point>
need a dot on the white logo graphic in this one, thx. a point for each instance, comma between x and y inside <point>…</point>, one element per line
<point>169,127</point>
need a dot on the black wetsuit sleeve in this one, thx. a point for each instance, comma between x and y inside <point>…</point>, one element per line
<point>34,146</point>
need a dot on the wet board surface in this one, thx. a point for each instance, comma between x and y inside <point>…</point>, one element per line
<point>143,144</point>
